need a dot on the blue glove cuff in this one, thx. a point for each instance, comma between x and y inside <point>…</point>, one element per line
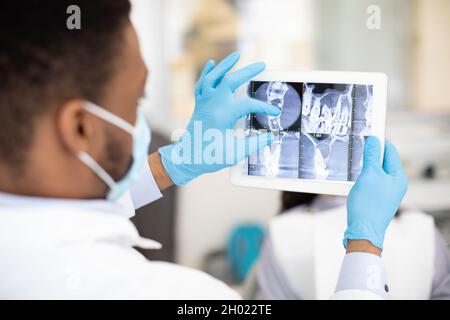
<point>363,232</point>
<point>178,172</point>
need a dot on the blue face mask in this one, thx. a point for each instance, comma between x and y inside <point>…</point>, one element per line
<point>141,142</point>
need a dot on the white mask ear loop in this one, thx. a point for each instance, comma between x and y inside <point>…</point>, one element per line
<point>91,163</point>
<point>115,120</point>
<point>109,117</point>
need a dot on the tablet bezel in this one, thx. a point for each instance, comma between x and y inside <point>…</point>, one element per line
<point>379,83</point>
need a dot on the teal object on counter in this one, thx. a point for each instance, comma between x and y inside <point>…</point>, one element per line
<point>244,246</point>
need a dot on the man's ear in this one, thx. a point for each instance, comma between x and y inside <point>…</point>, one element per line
<point>75,126</point>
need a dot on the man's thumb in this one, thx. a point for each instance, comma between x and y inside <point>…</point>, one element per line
<point>372,153</point>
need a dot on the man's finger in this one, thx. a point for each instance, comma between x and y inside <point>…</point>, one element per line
<point>210,80</point>
<point>246,106</point>
<point>372,153</point>
<point>241,76</point>
<point>206,69</point>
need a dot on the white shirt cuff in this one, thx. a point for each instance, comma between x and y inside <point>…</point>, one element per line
<point>145,190</point>
<point>365,272</point>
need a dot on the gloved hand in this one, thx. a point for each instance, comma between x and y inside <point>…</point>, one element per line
<point>209,143</point>
<point>376,195</point>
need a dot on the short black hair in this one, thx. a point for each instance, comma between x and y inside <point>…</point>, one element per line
<point>290,200</point>
<point>44,63</point>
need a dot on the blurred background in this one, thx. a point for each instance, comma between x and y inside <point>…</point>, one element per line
<point>410,42</point>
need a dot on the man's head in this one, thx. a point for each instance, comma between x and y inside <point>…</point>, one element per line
<point>47,73</point>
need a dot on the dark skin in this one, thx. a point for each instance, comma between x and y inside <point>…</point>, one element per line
<point>52,168</point>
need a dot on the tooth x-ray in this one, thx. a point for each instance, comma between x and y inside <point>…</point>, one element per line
<point>319,133</point>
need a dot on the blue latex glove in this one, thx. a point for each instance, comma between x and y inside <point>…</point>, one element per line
<point>376,195</point>
<point>208,145</point>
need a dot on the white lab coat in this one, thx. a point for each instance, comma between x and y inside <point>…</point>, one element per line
<point>73,249</point>
<point>69,251</point>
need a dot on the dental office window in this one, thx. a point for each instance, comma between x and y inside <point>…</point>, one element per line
<point>277,32</point>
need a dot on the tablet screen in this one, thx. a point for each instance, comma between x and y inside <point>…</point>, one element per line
<point>319,134</point>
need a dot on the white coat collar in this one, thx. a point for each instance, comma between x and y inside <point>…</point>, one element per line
<point>37,221</point>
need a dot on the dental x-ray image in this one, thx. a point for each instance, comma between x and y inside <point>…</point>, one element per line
<point>319,134</point>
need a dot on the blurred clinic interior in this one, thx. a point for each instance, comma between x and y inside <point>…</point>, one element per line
<point>411,44</point>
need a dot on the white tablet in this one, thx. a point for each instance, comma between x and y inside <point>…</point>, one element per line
<point>320,133</point>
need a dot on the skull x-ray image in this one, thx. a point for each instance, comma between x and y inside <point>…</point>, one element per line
<point>282,95</point>
<point>319,134</point>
